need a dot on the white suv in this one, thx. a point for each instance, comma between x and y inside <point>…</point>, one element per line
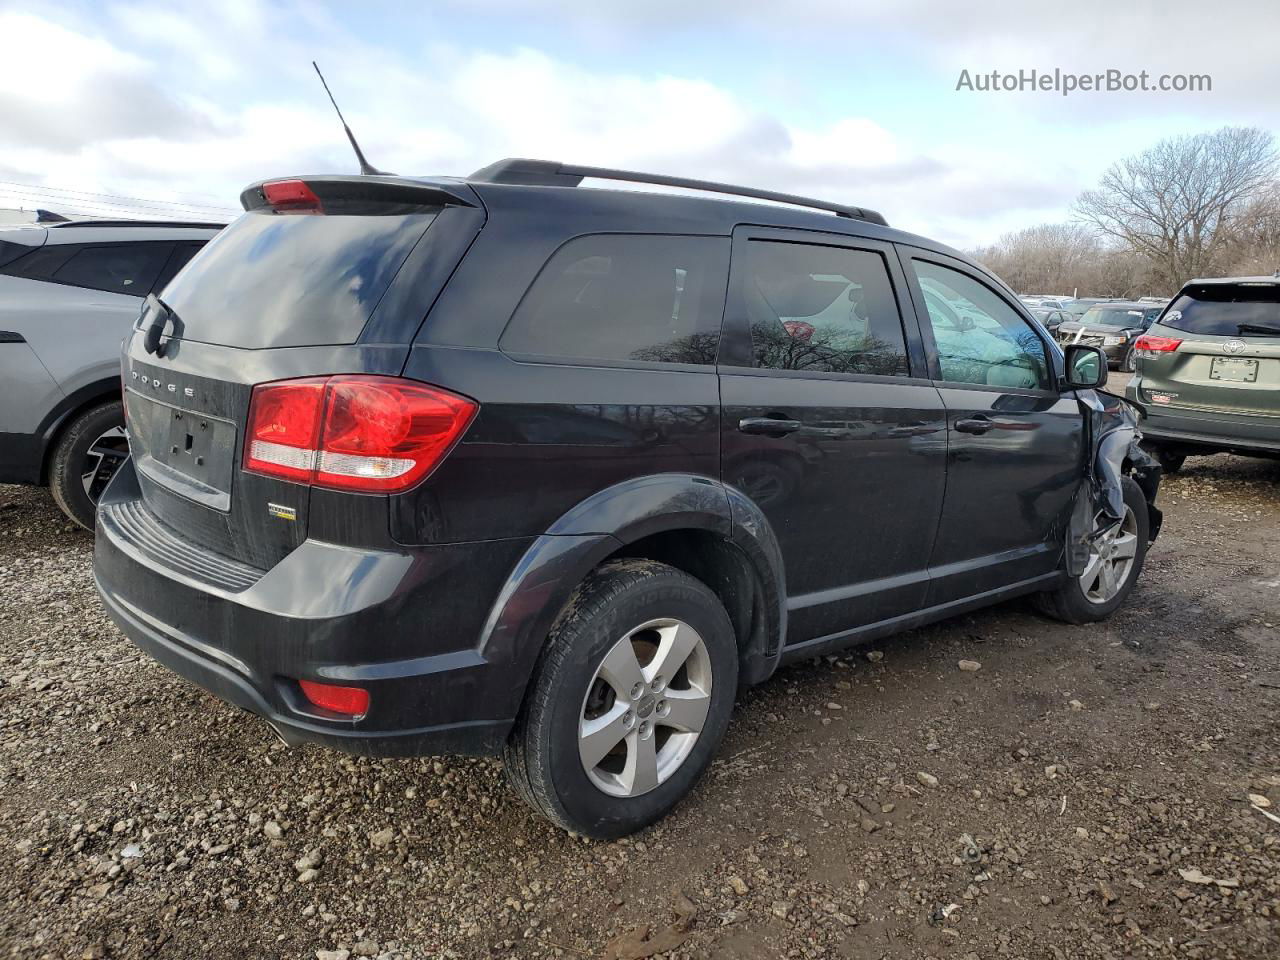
<point>69,292</point>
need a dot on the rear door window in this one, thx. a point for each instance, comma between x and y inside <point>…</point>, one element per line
<point>128,268</point>
<point>1226,310</point>
<point>822,309</point>
<point>630,298</point>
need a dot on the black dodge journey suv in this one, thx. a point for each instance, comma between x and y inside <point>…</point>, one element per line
<point>506,465</point>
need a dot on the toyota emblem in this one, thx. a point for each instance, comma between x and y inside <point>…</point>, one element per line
<point>1234,346</point>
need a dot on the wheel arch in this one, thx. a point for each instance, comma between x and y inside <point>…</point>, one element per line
<point>693,523</point>
<point>65,413</point>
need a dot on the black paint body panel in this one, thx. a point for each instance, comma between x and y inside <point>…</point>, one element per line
<point>873,514</point>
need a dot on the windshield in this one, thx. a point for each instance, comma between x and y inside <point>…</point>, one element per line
<point>281,280</point>
<point>1226,310</point>
<point>1113,316</point>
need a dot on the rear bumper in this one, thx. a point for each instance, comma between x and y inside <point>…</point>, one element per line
<point>397,624</point>
<point>1211,431</point>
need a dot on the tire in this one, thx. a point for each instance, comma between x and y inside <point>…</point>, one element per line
<point>1170,461</point>
<point>84,459</point>
<point>1130,362</point>
<point>610,615</point>
<point>1079,602</point>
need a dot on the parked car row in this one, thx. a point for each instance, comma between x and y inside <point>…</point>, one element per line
<point>1112,326</point>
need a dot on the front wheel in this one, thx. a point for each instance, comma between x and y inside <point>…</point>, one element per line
<point>1130,362</point>
<point>1116,555</point>
<point>87,455</point>
<point>628,703</point>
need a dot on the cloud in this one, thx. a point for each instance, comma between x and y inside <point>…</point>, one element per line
<point>175,103</point>
<point>63,90</point>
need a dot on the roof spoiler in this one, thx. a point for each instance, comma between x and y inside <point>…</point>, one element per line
<point>550,173</point>
<point>385,189</point>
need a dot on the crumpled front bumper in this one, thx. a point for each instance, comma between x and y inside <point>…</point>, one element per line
<point>1115,453</point>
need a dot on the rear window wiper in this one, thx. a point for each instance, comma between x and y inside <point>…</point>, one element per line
<point>161,313</point>
<point>1258,328</point>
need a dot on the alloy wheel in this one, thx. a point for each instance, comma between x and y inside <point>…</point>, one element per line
<point>104,456</point>
<point>645,707</point>
<point>1111,558</point>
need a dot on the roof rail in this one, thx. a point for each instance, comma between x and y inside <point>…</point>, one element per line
<point>138,223</point>
<point>549,173</point>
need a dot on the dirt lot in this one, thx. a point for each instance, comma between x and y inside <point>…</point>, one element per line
<point>1083,794</point>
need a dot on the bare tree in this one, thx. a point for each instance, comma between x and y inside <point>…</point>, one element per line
<point>1049,258</point>
<point>1175,204</point>
<point>1254,245</point>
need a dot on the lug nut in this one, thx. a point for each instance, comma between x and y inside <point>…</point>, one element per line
<point>637,691</point>
<point>646,728</point>
<point>628,719</point>
<point>663,708</point>
<point>658,684</point>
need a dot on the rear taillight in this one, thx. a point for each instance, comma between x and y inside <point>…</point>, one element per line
<point>291,196</point>
<point>1149,345</point>
<point>362,433</point>
<point>350,701</point>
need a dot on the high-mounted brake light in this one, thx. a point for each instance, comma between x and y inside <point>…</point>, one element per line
<point>291,196</point>
<point>351,701</point>
<point>363,433</point>
<point>1149,344</point>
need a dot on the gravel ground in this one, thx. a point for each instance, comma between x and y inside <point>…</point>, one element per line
<point>1084,793</point>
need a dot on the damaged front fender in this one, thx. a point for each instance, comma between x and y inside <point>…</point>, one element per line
<point>1114,453</point>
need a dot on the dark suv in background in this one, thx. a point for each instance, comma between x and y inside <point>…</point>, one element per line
<point>69,292</point>
<point>506,465</point>
<point>1113,327</point>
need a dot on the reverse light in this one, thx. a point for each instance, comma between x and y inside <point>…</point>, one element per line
<point>361,433</point>
<point>351,701</point>
<point>291,196</point>
<point>1149,345</point>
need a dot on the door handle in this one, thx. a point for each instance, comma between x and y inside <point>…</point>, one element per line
<point>975,425</point>
<point>768,426</point>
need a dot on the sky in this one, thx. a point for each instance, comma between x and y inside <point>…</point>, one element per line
<point>143,108</point>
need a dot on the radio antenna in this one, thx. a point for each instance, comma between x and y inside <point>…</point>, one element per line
<point>366,169</point>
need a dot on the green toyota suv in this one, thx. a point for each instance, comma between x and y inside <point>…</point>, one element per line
<point>1208,371</point>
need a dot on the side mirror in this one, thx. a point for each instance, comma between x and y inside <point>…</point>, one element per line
<point>1086,367</point>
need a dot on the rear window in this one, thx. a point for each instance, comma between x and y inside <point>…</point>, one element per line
<point>638,298</point>
<point>287,280</point>
<point>1225,310</point>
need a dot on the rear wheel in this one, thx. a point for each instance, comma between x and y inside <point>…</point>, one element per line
<point>1130,362</point>
<point>1116,555</point>
<point>85,458</point>
<point>628,703</point>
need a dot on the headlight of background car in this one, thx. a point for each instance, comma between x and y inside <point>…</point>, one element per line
<point>1113,341</point>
